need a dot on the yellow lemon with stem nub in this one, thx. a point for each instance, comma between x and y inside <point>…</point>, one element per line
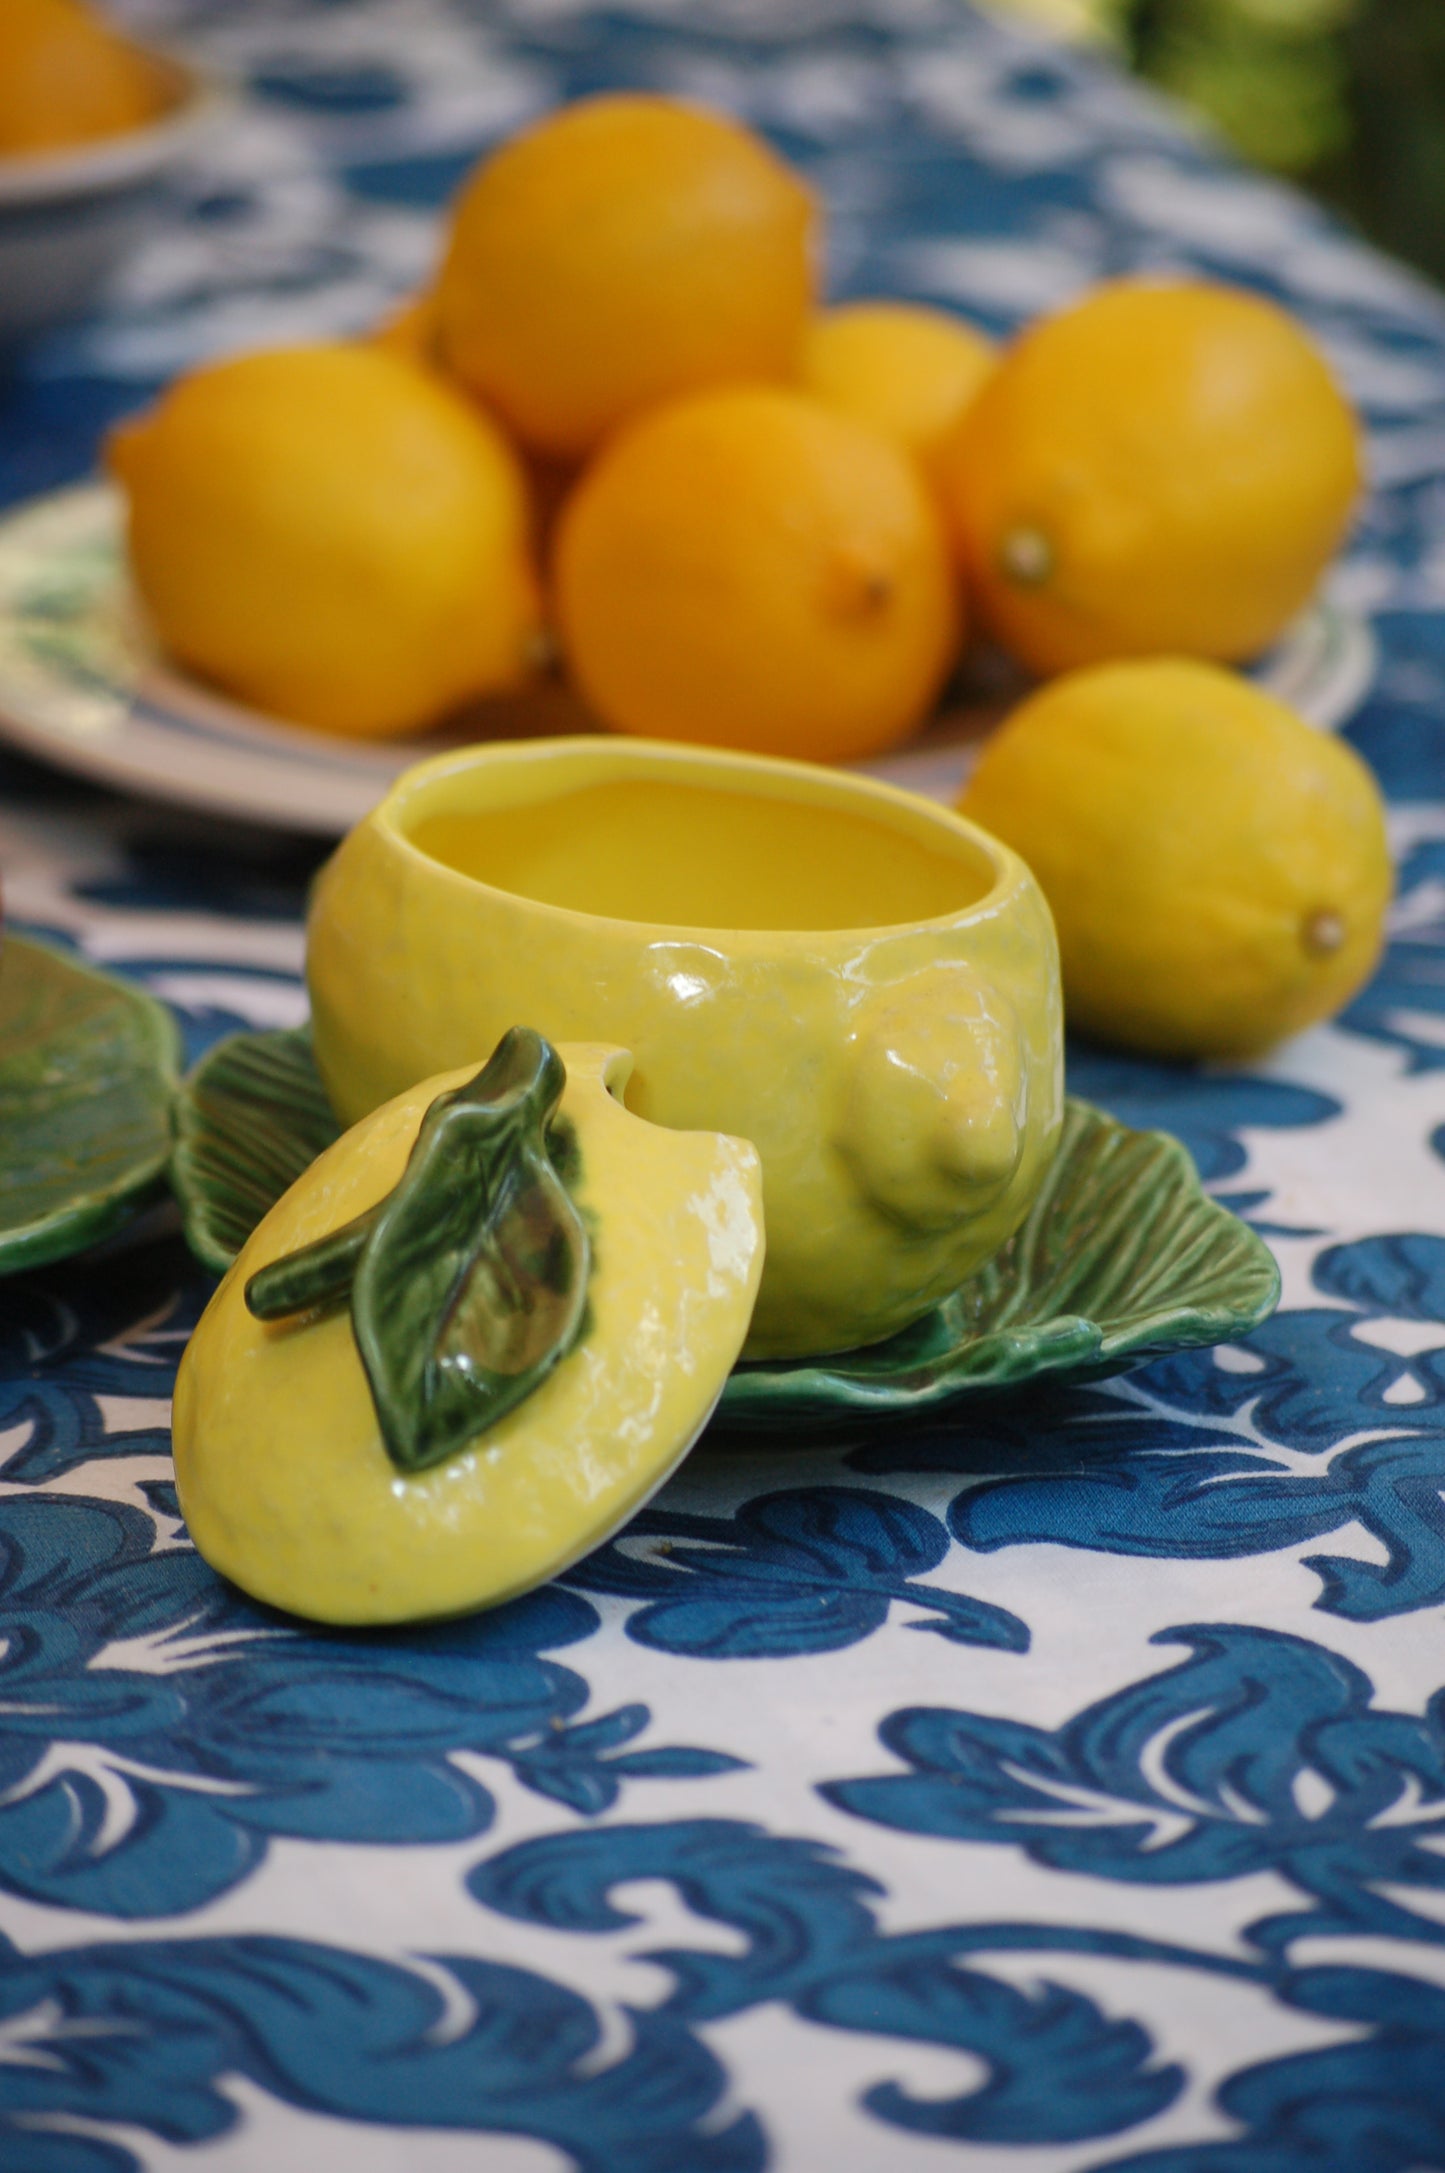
<point>904,369</point>
<point>1218,869</point>
<point>623,251</point>
<point>333,534</point>
<point>1163,469</point>
<point>749,568</point>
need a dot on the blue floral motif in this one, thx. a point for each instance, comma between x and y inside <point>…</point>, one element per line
<point>147,2033</point>
<point>1398,730</point>
<point>1173,1466</point>
<point>1373,2105</point>
<point>54,1430</point>
<point>1402,1275</point>
<point>1183,1496</point>
<point>1204,1109</point>
<point>1404,1005</point>
<point>1059,2070</point>
<point>80,1331</point>
<point>810,1569</point>
<point>160,1728</point>
<point>1260,1752</point>
<point>1317,1381</point>
<point>1304,1378</point>
<point>1307,1379</point>
<point>118,1334</point>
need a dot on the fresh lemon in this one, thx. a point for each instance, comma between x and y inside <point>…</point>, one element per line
<point>333,534</point>
<point>67,78</point>
<point>1217,868</point>
<point>624,250</point>
<point>909,371</point>
<point>750,569</point>
<point>410,329</point>
<point>1159,470</point>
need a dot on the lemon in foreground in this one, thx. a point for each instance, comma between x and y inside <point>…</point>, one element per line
<point>66,77</point>
<point>1217,868</point>
<point>622,251</point>
<point>909,371</point>
<point>1159,470</point>
<point>333,534</point>
<point>750,569</point>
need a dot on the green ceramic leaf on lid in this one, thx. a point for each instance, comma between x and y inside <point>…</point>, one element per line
<point>468,1282</point>
<point>88,1067</point>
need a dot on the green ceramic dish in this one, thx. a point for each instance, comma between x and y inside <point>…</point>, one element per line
<point>88,1068</point>
<point>1122,1256</point>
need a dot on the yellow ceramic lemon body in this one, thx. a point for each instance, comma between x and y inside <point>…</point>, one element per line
<point>283,1479</point>
<point>857,981</point>
<point>332,533</point>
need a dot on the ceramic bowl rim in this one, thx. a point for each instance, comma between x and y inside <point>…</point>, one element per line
<point>107,163</point>
<point>1012,878</point>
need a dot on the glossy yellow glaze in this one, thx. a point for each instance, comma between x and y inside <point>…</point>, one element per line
<point>283,1479</point>
<point>859,982</point>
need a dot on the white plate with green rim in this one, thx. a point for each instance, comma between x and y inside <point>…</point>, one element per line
<point>84,685</point>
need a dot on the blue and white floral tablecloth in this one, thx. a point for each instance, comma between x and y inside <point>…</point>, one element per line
<point>1059,1789</point>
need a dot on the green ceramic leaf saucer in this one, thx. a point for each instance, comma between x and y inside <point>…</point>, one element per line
<point>248,1120</point>
<point>1122,1256</point>
<point>88,1067</point>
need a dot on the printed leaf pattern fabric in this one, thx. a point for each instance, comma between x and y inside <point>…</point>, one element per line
<point>160,1729</point>
<point>807,1570</point>
<point>1064,1787</point>
<point>1260,1751</point>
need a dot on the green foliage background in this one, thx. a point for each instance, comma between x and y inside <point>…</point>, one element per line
<point>1347,96</point>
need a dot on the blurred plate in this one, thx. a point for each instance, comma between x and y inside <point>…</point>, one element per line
<point>68,215</point>
<point>83,685</point>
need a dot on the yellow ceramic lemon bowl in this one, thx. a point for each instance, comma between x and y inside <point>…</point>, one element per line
<point>859,982</point>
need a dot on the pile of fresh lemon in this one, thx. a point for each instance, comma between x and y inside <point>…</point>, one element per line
<point>620,430</point>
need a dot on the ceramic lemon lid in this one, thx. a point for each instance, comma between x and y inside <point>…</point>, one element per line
<point>468,1343</point>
